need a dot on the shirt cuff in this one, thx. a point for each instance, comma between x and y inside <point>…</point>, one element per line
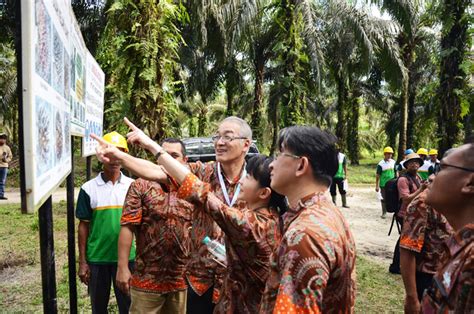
<point>410,244</point>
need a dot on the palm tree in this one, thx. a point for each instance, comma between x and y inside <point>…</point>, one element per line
<point>138,52</point>
<point>455,43</point>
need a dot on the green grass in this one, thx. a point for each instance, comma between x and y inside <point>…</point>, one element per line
<point>363,173</point>
<point>378,291</point>
<point>20,272</point>
<point>20,268</point>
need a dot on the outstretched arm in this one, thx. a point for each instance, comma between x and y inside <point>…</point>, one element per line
<point>140,167</point>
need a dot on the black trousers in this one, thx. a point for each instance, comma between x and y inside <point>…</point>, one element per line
<point>423,282</point>
<point>102,276</point>
<point>197,304</point>
<point>395,266</point>
<point>339,182</point>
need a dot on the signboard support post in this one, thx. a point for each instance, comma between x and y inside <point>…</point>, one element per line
<point>88,168</point>
<point>19,71</point>
<point>48,272</point>
<point>71,250</point>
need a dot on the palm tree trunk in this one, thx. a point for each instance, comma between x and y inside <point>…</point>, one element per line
<point>353,129</point>
<point>411,111</point>
<point>402,141</point>
<point>454,45</point>
<point>256,118</point>
<point>341,117</point>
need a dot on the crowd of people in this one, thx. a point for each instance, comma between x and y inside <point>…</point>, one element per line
<point>287,246</point>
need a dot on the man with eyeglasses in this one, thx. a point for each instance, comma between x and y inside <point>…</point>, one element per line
<point>313,269</point>
<point>452,194</point>
<point>231,142</point>
<point>421,249</point>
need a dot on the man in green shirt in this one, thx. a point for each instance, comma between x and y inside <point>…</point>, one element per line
<point>338,180</point>
<point>385,172</point>
<point>99,209</point>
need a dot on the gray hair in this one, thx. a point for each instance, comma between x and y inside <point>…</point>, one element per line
<point>244,128</point>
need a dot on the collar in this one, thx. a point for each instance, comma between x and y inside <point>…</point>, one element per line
<point>100,180</point>
<point>236,179</point>
<point>461,239</point>
<point>307,201</point>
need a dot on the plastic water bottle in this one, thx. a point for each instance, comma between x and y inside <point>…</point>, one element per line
<point>216,249</point>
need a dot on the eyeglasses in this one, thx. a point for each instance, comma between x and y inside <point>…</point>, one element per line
<point>445,165</point>
<point>226,138</point>
<point>278,154</point>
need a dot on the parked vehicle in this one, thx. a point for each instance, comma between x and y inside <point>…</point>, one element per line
<point>202,148</point>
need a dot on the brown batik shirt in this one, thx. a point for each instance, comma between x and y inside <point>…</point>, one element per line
<point>202,271</point>
<point>313,269</point>
<point>424,232</point>
<point>162,224</point>
<point>251,237</point>
<point>452,290</point>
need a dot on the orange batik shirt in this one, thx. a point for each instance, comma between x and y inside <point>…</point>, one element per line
<point>313,269</point>
<point>162,224</point>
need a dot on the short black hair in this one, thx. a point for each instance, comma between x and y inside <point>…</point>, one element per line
<point>173,140</point>
<point>317,145</point>
<point>3,136</point>
<point>258,166</point>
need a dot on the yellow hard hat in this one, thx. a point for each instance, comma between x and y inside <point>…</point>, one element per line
<point>422,151</point>
<point>116,139</point>
<point>388,149</point>
<point>433,152</point>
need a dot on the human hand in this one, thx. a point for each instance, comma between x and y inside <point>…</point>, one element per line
<point>412,305</point>
<point>377,189</point>
<point>123,279</point>
<point>424,185</point>
<point>84,272</point>
<point>106,152</point>
<point>138,137</point>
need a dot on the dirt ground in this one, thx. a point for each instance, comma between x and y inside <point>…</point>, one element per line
<point>370,231</point>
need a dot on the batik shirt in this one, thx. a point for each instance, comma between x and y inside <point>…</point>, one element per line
<point>452,289</point>
<point>251,237</point>
<point>162,224</point>
<point>202,271</point>
<point>313,269</point>
<point>424,232</point>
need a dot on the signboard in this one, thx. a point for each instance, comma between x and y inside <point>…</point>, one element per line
<point>78,78</point>
<point>95,81</point>
<point>56,90</point>
<point>46,113</point>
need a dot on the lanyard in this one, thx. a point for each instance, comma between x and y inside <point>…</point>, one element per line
<point>224,188</point>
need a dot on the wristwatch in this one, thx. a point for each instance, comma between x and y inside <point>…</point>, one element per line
<point>160,152</point>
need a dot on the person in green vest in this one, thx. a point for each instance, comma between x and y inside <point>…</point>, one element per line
<point>423,171</point>
<point>434,162</point>
<point>99,210</point>
<point>338,180</point>
<point>385,172</point>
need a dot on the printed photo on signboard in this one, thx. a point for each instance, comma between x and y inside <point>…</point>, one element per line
<point>67,134</point>
<point>58,63</point>
<point>44,141</point>
<point>59,138</point>
<point>67,75</point>
<point>43,46</point>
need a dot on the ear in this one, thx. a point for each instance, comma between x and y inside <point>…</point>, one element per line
<point>185,159</point>
<point>247,144</point>
<point>468,187</point>
<point>303,167</point>
<point>264,193</point>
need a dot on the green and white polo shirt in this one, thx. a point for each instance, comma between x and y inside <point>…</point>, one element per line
<point>423,171</point>
<point>101,204</point>
<point>342,162</point>
<point>386,170</point>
